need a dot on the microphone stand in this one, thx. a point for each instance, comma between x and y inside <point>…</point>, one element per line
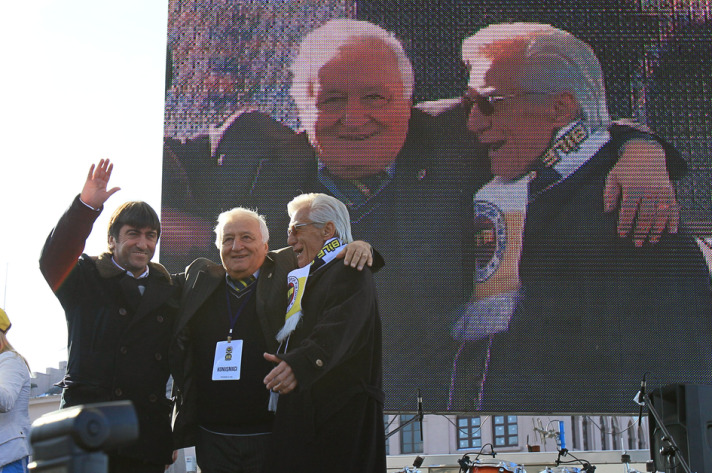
<point>418,417</point>
<point>672,450</point>
<point>402,426</point>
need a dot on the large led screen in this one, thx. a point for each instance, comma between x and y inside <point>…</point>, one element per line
<point>494,297</point>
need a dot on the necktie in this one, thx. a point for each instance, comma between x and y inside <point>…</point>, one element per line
<point>238,286</point>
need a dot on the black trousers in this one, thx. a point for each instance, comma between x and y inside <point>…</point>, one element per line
<point>227,453</point>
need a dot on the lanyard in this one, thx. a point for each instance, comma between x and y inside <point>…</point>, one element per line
<point>236,315</point>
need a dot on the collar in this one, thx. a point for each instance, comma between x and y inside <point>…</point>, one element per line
<point>355,192</point>
<point>231,282</point>
<point>390,170</point>
<point>141,276</point>
<point>107,268</point>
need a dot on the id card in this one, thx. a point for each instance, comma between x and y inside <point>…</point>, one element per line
<point>228,358</point>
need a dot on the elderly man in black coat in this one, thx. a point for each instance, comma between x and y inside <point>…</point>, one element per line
<point>327,385</point>
<point>228,318</point>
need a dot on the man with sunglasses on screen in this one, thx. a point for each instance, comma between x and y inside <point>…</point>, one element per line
<point>591,313</point>
<point>401,171</point>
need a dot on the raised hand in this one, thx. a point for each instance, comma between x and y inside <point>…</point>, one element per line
<point>95,192</point>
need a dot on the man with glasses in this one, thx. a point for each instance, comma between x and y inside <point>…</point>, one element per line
<point>328,373</point>
<point>594,312</point>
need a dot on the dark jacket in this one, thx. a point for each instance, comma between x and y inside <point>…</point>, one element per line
<point>333,421</point>
<point>198,282</point>
<point>597,312</point>
<point>118,347</point>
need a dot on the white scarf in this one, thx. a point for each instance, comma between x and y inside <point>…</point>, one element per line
<point>297,281</point>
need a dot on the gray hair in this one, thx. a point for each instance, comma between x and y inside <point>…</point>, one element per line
<point>554,61</point>
<point>323,209</point>
<point>232,214</point>
<point>322,44</point>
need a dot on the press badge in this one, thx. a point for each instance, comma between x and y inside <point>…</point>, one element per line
<point>228,358</point>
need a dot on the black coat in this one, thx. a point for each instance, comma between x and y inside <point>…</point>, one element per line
<point>198,283</point>
<point>117,343</point>
<point>597,312</point>
<point>333,421</point>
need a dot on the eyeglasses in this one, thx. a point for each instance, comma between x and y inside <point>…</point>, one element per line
<point>294,228</point>
<point>485,103</point>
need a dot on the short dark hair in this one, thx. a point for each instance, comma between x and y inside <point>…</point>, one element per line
<point>137,214</point>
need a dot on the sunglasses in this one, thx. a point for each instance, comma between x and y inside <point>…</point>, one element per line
<point>294,228</point>
<point>485,103</point>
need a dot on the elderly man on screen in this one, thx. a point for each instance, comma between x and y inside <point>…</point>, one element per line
<point>329,376</point>
<point>537,100</point>
<point>400,170</point>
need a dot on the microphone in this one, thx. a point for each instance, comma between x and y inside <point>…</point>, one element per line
<point>640,396</point>
<point>420,413</point>
<point>562,435</point>
<point>464,463</point>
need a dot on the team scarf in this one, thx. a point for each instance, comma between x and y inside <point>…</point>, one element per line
<point>297,281</point>
<point>572,147</point>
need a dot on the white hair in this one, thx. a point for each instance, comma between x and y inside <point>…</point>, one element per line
<point>554,61</point>
<point>322,44</point>
<point>232,214</point>
<point>323,209</point>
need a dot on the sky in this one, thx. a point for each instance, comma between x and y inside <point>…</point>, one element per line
<point>81,80</point>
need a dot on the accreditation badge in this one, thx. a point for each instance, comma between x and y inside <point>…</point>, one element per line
<point>228,359</point>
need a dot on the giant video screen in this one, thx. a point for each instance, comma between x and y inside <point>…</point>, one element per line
<point>494,297</point>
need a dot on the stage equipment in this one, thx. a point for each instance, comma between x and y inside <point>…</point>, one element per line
<point>681,428</point>
<point>74,440</point>
<point>416,464</point>
<point>491,466</point>
<point>487,466</point>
